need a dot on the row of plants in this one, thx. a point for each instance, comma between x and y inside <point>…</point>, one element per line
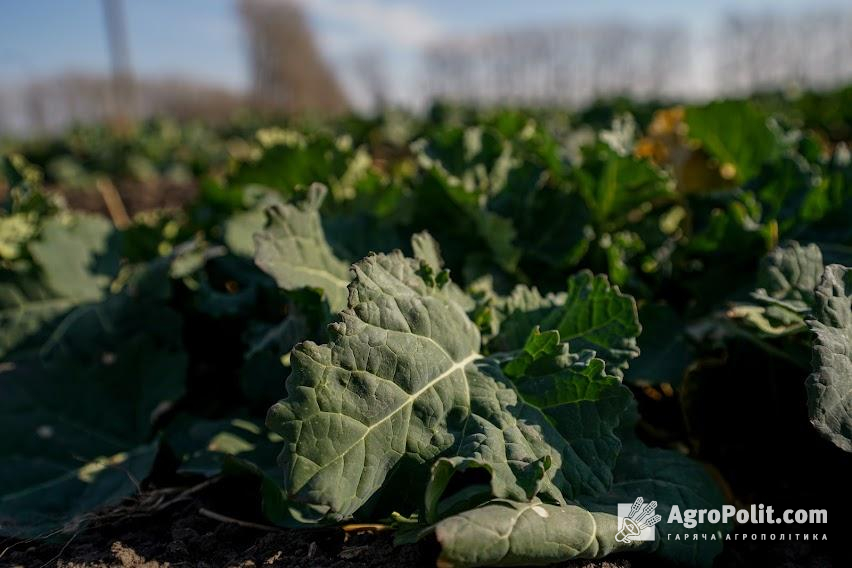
<point>487,328</point>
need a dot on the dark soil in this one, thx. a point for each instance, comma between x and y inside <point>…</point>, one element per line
<point>184,534</point>
<point>218,527</point>
<point>136,197</point>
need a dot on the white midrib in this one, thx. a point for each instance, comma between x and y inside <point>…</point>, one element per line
<point>411,398</point>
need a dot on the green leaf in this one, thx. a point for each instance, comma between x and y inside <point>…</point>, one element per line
<point>538,345</point>
<point>477,484</point>
<point>669,479</point>
<point>288,159</point>
<point>614,184</point>
<point>428,252</point>
<point>61,495</point>
<point>203,445</point>
<point>664,352</point>
<point>402,383</point>
<point>76,259</point>
<point>591,315</point>
<point>78,255</point>
<point>15,231</point>
<point>736,134</point>
<point>830,385</point>
<point>293,250</point>
<point>786,282</point>
<point>235,446</point>
<point>581,401</point>
<point>597,316</point>
<point>509,533</point>
<point>536,189</point>
<point>788,193</point>
<point>828,205</point>
<point>240,229</point>
<point>230,287</point>
<point>78,420</point>
<point>452,196</point>
<point>518,314</point>
<point>426,249</point>
<point>263,372</point>
<point>789,275</point>
<point>27,309</point>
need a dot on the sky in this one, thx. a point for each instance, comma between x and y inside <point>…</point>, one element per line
<point>202,39</point>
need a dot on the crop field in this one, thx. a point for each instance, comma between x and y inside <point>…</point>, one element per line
<point>459,339</point>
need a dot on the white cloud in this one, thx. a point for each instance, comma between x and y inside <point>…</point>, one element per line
<point>376,22</point>
<point>396,31</point>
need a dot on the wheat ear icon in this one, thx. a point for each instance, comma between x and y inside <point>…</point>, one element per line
<point>636,520</point>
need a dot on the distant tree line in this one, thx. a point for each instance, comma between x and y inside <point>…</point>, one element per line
<point>571,64</point>
<point>286,69</point>
<point>50,104</point>
<point>577,63</point>
<point>758,52</point>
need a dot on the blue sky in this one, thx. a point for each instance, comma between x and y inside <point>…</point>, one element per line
<point>202,39</point>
